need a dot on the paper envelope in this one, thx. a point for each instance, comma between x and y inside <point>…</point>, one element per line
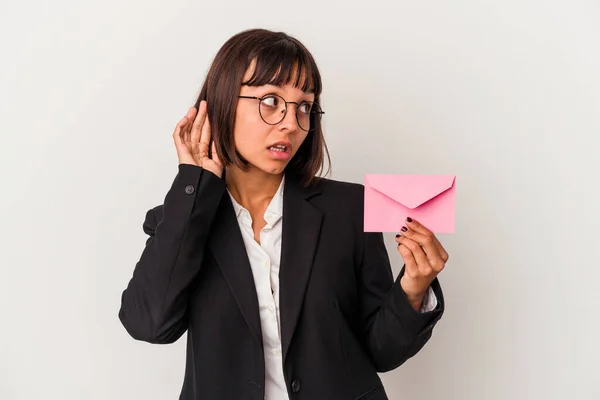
<point>429,199</point>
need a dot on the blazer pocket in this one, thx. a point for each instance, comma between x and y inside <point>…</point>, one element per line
<point>374,394</point>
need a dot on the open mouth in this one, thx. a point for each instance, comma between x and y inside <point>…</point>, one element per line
<point>279,147</point>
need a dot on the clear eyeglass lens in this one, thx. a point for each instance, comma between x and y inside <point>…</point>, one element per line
<point>272,110</point>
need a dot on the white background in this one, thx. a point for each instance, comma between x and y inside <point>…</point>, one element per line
<point>506,95</point>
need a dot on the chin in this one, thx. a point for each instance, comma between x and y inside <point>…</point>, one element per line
<point>269,165</point>
<point>275,170</point>
<point>272,167</point>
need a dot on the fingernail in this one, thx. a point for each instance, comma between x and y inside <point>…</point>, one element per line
<point>397,236</point>
<point>409,219</point>
<point>404,229</point>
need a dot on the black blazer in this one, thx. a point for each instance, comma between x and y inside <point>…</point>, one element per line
<point>343,317</point>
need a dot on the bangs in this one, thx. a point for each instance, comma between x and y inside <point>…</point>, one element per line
<point>282,63</point>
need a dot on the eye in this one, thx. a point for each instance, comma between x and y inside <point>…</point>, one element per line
<point>305,107</point>
<point>270,101</point>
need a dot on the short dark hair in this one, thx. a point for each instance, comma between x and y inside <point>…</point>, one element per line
<point>278,57</point>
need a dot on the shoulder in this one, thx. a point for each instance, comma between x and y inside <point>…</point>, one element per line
<point>342,205</point>
<point>332,186</point>
<point>345,195</point>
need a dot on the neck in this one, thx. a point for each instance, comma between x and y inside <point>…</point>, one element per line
<point>252,189</point>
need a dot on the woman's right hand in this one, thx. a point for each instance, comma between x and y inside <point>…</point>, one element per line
<point>192,141</point>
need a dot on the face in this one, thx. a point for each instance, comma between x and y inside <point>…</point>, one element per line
<point>254,138</point>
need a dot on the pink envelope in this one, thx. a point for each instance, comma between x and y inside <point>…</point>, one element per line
<point>429,199</point>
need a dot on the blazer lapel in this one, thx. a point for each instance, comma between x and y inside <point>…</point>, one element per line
<point>300,234</point>
<point>301,224</point>
<point>227,246</point>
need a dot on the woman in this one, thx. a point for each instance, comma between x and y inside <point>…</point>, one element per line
<point>264,264</point>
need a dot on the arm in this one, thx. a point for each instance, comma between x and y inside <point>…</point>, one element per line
<point>394,331</point>
<point>154,304</point>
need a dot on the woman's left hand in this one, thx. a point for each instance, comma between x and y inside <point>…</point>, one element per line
<point>424,258</point>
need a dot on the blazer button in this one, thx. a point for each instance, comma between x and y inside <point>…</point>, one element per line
<point>296,386</point>
<point>189,189</point>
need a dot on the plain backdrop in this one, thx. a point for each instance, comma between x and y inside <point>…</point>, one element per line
<point>506,95</point>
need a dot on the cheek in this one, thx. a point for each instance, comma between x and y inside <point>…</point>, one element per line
<point>247,117</point>
<point>247,130</point>
<point>250,136</point>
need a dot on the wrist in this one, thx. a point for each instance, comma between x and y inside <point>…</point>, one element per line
<point>413,292</point>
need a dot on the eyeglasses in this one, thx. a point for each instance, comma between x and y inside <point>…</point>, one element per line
<point>273,109</point>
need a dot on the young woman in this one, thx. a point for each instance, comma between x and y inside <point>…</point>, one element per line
<point>264,263</point>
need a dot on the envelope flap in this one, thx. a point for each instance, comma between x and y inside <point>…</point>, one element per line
<point>410,190</point>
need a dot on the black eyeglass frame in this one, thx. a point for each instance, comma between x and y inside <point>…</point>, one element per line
<point>321,112</point>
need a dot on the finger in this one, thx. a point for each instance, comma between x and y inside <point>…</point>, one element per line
<point>425,240</point>
<point>429,247</point>
<point>178,129</point>
<point>443,252</point>
<point>185,132</point>
<point>418,254</point>
<point>417,226</point>
<point>205,138</point>
<point>410,264</point>
<point>420,228</point>
<point>198,123</point>
<point>215,156</point>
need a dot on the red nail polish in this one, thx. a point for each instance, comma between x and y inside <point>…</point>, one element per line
<point>404,229</point>
<point>409,219</point>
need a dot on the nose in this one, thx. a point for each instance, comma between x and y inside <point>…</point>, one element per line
<point>289,121</point>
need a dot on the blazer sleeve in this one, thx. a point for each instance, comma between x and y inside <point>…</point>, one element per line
<point>154,304</point>
<point>394,331</point>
